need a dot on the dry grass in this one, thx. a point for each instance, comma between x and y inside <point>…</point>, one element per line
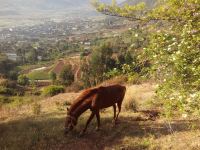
<point>138,95</point>
<point>24,130</point>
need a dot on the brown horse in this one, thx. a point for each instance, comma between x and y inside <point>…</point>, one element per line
<point>95,99</point>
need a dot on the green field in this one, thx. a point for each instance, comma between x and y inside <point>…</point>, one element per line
<point>38,75</point>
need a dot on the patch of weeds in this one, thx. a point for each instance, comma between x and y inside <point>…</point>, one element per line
<point>52,90</point>
<point>131,104</point>
<point>193,126</point>
<point>66,103</point>
<point>59,106</point>
<point>36,108</point>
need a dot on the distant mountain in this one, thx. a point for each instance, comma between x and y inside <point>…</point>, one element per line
<point>149,3</point>
<point>41,5</point>
<point>14,11</point>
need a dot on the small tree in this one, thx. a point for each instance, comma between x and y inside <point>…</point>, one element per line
<point>53,77</point>
<point>23,80</point>
<point>32,56</point>
<point>66,75</point>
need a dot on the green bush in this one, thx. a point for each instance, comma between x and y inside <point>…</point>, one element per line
<point>52,90</point>
<point>23,80</point>
<point>66,75</point>
<point>53,76</point>
<point>6,91</point>
<point>4,100</point>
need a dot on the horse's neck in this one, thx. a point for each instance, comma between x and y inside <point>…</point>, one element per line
<point>80,109</point>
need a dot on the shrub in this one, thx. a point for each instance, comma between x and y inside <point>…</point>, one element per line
<point>23,80</point>
<point>66,75</point>
<point>52,90</point>
<point>134,78</point>
<point>4,100</point>
<point>36,109</point>
<point>6,91</point>
<point>131,105</point>
<point>53,76</point>
<point>7,83</point>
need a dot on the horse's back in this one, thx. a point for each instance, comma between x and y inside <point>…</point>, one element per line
<point>109,95</point>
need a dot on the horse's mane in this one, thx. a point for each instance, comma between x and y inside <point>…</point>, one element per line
<point>86,94</point>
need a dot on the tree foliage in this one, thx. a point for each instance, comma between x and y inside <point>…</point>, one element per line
<point>66,75</point>
<point>173,49</point>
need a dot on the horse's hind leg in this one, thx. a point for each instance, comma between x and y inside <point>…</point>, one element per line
<point>114,109</point>
<point>119,108</point>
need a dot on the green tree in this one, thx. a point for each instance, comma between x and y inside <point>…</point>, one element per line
<point>53,76</point>
<point>100,61</point>
<point>66,75</point>
<point>7,67</point>
<point>173,49</point>
<point>32,56</point>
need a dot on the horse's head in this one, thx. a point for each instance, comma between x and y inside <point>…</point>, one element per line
<point>70,123</point>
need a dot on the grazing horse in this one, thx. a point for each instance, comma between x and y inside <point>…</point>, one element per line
<point>95,99</point>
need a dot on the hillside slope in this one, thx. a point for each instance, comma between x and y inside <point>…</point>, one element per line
<point>22,130</point>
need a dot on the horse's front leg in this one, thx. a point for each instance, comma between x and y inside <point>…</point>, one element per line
<point>98,120</point>
<point>88,121</point>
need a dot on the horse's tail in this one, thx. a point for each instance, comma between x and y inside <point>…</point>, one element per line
<point>85,95</point>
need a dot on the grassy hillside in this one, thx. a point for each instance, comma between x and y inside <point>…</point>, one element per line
<point>20,129</point>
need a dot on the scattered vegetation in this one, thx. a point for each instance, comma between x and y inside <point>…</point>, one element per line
<point>36,108</point>
<point>23,80</point>
<point>66,75</point>
<point>162,48</point>
<point>52,90</point>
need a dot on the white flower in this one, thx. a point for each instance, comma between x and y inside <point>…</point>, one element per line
<point>189,100</point>
<point>174,58</point>
<point>180,97</point>
<point>184,115</point>
<point>193,95</point>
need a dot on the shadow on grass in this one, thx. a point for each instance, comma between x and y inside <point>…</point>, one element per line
<point>46,132</point>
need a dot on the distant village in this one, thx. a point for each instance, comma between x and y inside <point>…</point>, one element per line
<point>75,31</point>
